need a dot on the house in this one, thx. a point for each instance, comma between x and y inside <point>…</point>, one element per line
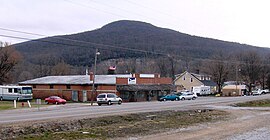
<point>131,87</point>
<point>234,90</point>
<point>188,80</point>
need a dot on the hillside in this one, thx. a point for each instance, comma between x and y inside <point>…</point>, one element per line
<point>126,34</point>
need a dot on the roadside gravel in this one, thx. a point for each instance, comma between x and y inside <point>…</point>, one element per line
<point>244,124</point>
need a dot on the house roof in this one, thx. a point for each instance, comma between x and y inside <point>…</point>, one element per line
<point>199,75</point>
<point>204,82</point>
<point>145,87</point>
<point>208,83</point>
<point>76,79</point>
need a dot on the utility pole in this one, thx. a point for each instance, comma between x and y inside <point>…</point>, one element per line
<point>94,76</point>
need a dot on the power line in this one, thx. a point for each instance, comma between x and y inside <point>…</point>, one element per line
<point>91,7</point>
<point>108,47</point>
<point>111,46</point>
<point>141,15</point>
<point>173,17</point>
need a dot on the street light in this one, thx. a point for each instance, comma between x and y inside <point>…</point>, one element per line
<point>94,75</point>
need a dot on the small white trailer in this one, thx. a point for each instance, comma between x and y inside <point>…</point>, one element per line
<point>201,90</point>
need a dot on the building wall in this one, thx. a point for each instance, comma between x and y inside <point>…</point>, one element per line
<point>232,92</point>
<point>145,80</point>
<point>65,91</point>
<point>188,81</point>
<point>44,91</point>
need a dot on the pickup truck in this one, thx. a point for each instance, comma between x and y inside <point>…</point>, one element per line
<point>260,91</point>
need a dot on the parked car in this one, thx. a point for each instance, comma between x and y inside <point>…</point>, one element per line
<point>187,95</point>
<point>171,97</point>
<point>108,98</point>
<point>55,100</point>
<point>260,91</point>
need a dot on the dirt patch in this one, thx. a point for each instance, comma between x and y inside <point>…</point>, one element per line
<point>111,126</point>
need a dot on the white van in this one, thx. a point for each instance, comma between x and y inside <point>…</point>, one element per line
<point>108,98</point>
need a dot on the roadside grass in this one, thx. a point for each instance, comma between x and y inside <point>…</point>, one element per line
<point>122,126</point>
<point>257,103</point>
<point>7,105</point>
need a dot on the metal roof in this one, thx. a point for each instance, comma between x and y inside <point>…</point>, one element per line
<point>75,79</point>
<point>208,83</point>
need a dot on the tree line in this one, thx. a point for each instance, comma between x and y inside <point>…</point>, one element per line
<point>247,67</point>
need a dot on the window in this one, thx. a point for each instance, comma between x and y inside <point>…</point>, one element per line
<point>68,86</point>
<point>191,80</point>
<point>101,96</point>
<point>15,90</point>
<point>111,96</point>
<point>51,86</point>
<point>34,86</point>
<point>184,78</point>
<point>10,90</point>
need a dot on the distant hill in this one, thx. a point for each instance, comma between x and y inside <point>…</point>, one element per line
<point>126,34</point>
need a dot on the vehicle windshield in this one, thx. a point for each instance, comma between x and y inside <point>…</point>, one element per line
<point>26,90</point>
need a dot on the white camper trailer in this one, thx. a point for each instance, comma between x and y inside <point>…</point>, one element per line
<point>201,90</point>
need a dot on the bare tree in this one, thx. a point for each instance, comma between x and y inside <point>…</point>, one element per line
<point>162,64</point>
<point>218,69</point>
<point>8,59</point>
<point>61,69</point>
<point>265,71</point>
<point>250,67</point>
<point>268,81</point>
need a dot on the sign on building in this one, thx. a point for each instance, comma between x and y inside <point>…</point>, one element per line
<point>132,80</point>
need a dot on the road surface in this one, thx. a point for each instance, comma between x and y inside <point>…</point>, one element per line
<point>74,110</point>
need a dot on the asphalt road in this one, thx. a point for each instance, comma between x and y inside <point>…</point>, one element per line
<point>77,110</point>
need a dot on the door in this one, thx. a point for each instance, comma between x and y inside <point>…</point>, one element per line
<point>84,95</point>
<point>75,96</point>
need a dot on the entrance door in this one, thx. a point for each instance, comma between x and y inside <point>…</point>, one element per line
<point>75,96</point>
<point>84,95</point>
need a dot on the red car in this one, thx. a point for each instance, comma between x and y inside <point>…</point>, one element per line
<point>55,100</point>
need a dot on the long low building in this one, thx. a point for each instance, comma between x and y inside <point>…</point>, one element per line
<point>130,87</point>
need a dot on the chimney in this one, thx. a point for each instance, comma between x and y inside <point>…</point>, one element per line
<point>91,76</point>
<point>197,71</point>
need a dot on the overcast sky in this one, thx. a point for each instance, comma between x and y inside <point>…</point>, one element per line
<point>243,21</point>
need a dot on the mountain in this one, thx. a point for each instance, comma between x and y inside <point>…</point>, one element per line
<point>113,38</point>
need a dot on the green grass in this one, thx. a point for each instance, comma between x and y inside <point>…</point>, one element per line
<point>257,103</point>
<point>7,105</point>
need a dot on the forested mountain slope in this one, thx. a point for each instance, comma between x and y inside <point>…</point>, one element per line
<point>126,34</point>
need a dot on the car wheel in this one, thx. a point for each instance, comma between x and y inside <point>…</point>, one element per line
<point>193,98</point>
<point>46,102</point>
<point>164,100</point>
<point>18,99</point>
<point>183,98</point>
<point>119,102</point>
<point>1,98</point>
<point>109,103</point>
<point>56,103</point>
<point>263,92</point>
<point>176,99</point>
<point>99,104</point>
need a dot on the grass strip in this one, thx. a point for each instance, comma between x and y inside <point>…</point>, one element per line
<point>256,103</point>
